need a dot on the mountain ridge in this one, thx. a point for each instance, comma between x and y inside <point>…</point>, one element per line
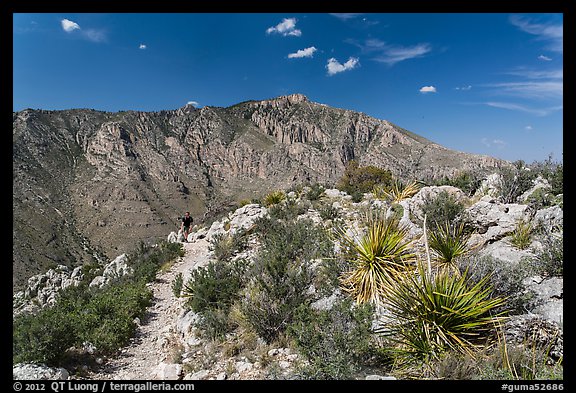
<point>88,184</point>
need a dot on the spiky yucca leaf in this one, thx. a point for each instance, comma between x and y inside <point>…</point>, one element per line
<point>448,242</point>
<point>433,313</point>
<point>380,252</point>
<point>522,235</point>
<point>398,191</point>
<point>274,198</point>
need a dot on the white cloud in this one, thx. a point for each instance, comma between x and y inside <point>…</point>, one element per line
<point>395,54</point>
<point>550,32</point>
<point>544,58</point>
<point>286,27</point>
<point>308,52</point>
<point>498,143</point>
<point>193,103</point>
<point>94,35</point>
<point>346,16</point>
<point>464,88</point>
<point>528,128</point>
<point>142,46</point>
<point>532,89</point>
<point>428,89</point>
<point>522,108</point>
<point>334,67</point>
<point>69,26</point>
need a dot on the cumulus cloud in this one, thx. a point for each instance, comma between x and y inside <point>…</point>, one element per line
<point>142,46</point>
<point>308,52</point>
<point>427,89</point>
<point>69,26</point>
<point>334,66</point>
<point>94,35</point>
<point>286,27</point>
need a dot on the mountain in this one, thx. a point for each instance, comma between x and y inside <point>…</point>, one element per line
<point>89,185</point>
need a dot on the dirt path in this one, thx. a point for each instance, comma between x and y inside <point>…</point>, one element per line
<point>150,346</point>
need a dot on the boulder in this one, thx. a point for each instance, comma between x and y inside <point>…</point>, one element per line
<point>495,220</point>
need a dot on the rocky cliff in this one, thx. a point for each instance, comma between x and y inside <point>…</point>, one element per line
<point>87,185</point>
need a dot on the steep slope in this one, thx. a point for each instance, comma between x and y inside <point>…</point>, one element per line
<point>89,184</point>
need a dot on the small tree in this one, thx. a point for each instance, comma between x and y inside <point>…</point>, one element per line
<point>357,179</point>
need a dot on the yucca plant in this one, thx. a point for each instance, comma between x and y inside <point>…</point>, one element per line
<point>432,313</point>
<point>398,191</point>
<point>379,191</point>
<point>522,235</point>
<point>382,251</point>
<point>274,198</point>
<point>448,242</point>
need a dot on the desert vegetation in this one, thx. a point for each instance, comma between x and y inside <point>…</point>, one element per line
<point>346,283</point>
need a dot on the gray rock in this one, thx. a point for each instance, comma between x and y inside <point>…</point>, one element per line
<point>374,377</point>
<point>504,251</point>
<point>24,371</point>
<point>198,375</point>
<point>168,371</point>
<point>549,297</point>
<point>533,330</point>
<point>551,217</point>
<point>495,220</point>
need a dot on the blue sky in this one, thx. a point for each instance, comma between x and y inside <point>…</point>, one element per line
<point>487,83</point>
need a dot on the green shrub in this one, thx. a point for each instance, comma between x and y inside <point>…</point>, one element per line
<point>214,286</point>
<point>540,199</point>
<point>397,211</point>
<point>551,171</point>
<point>359,180</point>
<point>335,342</point>
<point>225,246</point>
<point>103,317</point>
<point>505,279</point>
<point>549,260</point>
<point>466,181</point>
<point>148,259</point>
<point>211,291</point>
<point>316,192</point>
<point>177,285</point>
<point>42,338</point>
<point>329,212</point>
<point>289,209</point>
<point>445,207</point>
<point>281,274</point>
<point>514,181</point>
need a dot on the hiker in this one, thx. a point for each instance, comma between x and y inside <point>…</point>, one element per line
<point>186,223</point>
